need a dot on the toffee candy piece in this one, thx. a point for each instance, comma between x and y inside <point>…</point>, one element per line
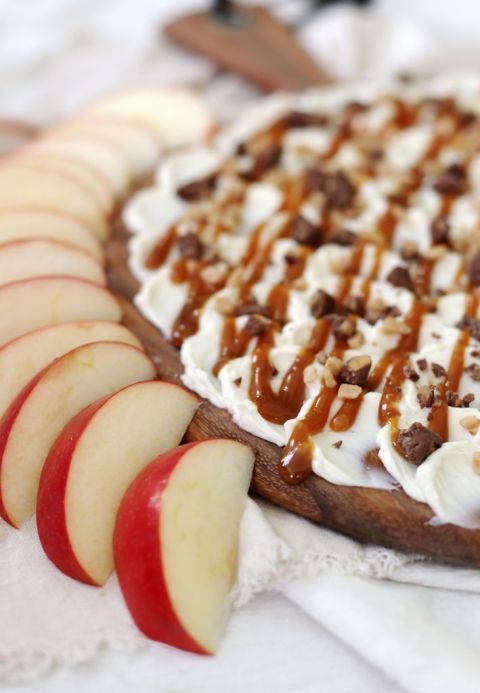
<point>418,442</point>
<point>323,304</point>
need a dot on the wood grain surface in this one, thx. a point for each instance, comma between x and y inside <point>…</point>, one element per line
<point>388,518</point>
<point>256,46</point>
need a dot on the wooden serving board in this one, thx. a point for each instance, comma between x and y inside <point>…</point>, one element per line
<point>388,518</point>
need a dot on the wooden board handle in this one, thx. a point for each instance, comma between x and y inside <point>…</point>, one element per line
<point>254,45</point>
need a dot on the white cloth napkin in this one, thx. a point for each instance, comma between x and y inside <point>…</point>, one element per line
<point>415,623</point>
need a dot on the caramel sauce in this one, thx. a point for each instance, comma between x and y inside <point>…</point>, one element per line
<point>233,344</point>
<point>161,249</point>
<point>379,251</point>
<point>347,413</point>
<point>278,406</point>
<point>423,276</point>
<point>387,225</point>
<point>439,414</point>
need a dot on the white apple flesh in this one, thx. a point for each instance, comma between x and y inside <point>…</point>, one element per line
<point>92,151</point>
<point>32,303</point>
<point>92,463</point>
<point>27,186</point>
<point>89,177</point>
<point>22,223</point>
<point>178,115</point>
<point>40,411</point>
<point>25,259</point>
<point>22,358</point>
<point>176,541</point>
<point>139,144</point>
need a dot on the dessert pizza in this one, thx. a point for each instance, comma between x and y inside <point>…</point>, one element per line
<point>317,268</point>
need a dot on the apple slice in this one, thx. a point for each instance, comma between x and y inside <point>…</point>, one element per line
<point>32,303</point>
<point>92,463</point>
<point>138,143</point>
<point>40,411</point>
<point>25,356</point>
<point>176,538</point>
<point>95,152</point>
<point>42,257</point>
<point>22,185</point>
<point>178,115</point>
<point>91,179</point>
<point>18,223</point>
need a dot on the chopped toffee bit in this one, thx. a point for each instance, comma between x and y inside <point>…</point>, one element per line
<point>214,274</point>
<point>470,424</point>
<point>418,442</point>
<point>268,158</point>
<point>422,364</point>
<point>411,374</point>
<point>304,232</point>
<point>356,370</point>
<point>323,304</point>
<point>190,246</point>
<point>322,357</point>
<point>453,399</point>
<point>242,149</point>
<point>474,269</point>
<point>256,325</point>
<point>252,309</point>
<point>334,364</point>
<point>337,187</point>
<point>473,371</point>
<point>354,304</point>
<point>440,229</point>
<point>198,189</point>
<point>409,251</point>
<point>394,326</point>
<point>372,460</point>
<point>426,396</point>
<point>310,375</point>
<point>356,341</point>
<point>470,325</point>
<point>467,118</point>
<point>337,444</point>
<point>346,391</point>
<point>452,181</point>
<point>400,276</point>
<point>299,119</point>
<point>438,370</point>
<point>342,327</point>
<point>344,237</point>
<point>237,382</point>
<point>339,191</point>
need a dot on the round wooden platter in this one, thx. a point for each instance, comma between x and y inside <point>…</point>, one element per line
<point>388,518</point>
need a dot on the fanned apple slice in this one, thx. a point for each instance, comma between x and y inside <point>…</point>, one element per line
<point>176,538</point>
<point>90,178</point>
<point>93,151</point>
<point>24,357</point>
<point>178,115</point>
<point>20,223</point>
<point>27,186</point>
<point>41,257</point>
<point>38,414</point>
<point>139,144</point>
<point>32,303</point>
<point>93,462</point>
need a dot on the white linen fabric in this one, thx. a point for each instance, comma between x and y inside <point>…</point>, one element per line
<point>374,619</point>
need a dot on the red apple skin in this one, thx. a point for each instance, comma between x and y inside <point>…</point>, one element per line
<point>138,559</point>
<point>51,519</point>
<point>6,423</point>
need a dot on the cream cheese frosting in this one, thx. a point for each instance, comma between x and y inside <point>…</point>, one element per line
<point>395,169</point>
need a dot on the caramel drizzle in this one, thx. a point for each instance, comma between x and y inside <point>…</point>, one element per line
<point>285,404</point>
